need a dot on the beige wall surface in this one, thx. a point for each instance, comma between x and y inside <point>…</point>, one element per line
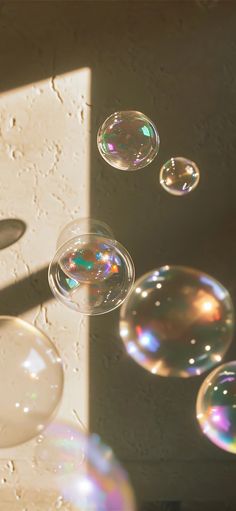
<point>44,182</point>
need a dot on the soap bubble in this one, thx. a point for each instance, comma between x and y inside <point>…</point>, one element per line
<point>87,474</point>
<point>90,258</point>
<point>84,226</point>
<point>128,140</point>
<point>91,274</point>
<point>177,321</point>
<point>216,406</point>
<point>60,449</point>
<point>179,176</point>
<point>31,381</point>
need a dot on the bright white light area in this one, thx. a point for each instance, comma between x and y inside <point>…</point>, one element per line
<point>207,306</point>
<point>124,331</point>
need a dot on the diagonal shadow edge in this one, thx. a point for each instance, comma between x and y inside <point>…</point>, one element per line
<point>25,294</point>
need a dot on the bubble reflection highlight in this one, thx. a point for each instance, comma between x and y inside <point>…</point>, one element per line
<point>128,140</point>
<point>216,407</point>
<point>177,321</point>
<point>87,475</point>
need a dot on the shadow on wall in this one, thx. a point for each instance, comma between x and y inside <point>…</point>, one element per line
<point>25,294</point>
<point>11,230</point>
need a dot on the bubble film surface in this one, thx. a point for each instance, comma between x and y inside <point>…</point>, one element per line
<point>60,449</point>
<point>216,407</point>
<point>177,321</point>
<point>31,381</point>
<point>179,176</point>
<point>91,260</point>
<point>128,140</point>
<point>87,474</point>
<point>81,226</point>
<point>91,274</point>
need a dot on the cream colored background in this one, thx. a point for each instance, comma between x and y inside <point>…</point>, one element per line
<point>44,181</point>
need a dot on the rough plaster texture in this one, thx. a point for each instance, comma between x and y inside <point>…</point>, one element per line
<point>175,61</point>
<point>44,181</point>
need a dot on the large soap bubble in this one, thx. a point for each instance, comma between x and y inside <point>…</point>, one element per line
<point>86,472</point>
<point>128,140</point>
<point>177,321</point>
<point>90,273</point>
<point>31,381</point>
<point>216,407</point>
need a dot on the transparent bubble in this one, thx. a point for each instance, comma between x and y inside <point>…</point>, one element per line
<point>87,474</point>
<point>31,379</point>
<point>91,274</point>
<point>179,176</point>
<point>84,226</point>
<point>128,140</point>
<point>216,407</point>
<point>177,321</point>
<point>90,258</point>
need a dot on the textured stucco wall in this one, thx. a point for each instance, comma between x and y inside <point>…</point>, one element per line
<point>44,181</point>
<point>175,61</point>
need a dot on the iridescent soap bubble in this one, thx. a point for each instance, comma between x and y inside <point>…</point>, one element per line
<point>91,274</point>
<point>91,258</point>
<point>59,449</point>
<point>216,406</point>
<point>31,381</point>
<point>179,176</point>
<point>177,321</point>
<point>87,474</point>
<point>85,225</point>
<point>128,140</point>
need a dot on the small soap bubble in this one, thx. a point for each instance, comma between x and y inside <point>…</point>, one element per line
<point>177,321</point>
<point>216,407</point>
<point>179,176</point>
<point>87,474</point>
<point>31,379</point>
<point>128,140</point>
<point>91,274</point>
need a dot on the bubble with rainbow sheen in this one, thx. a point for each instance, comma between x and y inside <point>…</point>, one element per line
<point>91,274</point>
<point>179,176</point>
<point>91,259</point>
<point>177,321</point>
<point>59,449</point>
<point>128,140</point>
<point>87,474</point>
<point>216,407</point>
